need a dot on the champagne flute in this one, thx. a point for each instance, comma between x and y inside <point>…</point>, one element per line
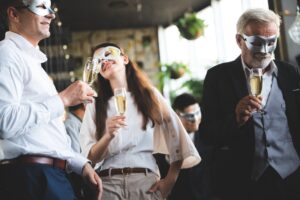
<point>120,100</point>
<point>90,72</point>
<point>255,81</point>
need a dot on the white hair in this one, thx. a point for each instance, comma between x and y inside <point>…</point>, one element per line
<point>258,15</point>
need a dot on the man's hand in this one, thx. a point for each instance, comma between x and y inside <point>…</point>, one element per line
<point>90,174</point>
<point>78,92</point>
<point>245,107</point>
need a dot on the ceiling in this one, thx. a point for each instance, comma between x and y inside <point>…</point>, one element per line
<point>81,15</point>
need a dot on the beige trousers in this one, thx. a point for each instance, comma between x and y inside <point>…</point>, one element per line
<point>130,187</point>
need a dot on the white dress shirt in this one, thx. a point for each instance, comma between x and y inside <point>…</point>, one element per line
<point>133,146</point>
<point>30,108</point>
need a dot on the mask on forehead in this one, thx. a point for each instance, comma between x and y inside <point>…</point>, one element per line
<point>108,53</point>
<point>260,44</point>
<point>39,7</point>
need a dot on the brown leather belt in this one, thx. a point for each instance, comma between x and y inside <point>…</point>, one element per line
<point>36,159</point>
<point>124,171</point>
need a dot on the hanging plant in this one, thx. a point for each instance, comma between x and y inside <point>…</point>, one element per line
<point>173,70</point>
<point>190,26</point>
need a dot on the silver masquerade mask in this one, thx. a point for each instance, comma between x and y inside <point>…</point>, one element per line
<point>191,117</point>
<point>260,44</point>
<point>39,7</point>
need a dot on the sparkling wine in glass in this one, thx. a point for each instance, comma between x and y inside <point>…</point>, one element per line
<point>255,81</point>
<point>90,71</point>
<point>120,100</point>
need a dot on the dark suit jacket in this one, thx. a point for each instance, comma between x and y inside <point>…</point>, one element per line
<point>224,86</point>
<point>192,183</point>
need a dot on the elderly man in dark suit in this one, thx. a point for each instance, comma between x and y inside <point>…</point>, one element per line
<point>260,134</point>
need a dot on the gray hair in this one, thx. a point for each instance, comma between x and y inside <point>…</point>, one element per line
<point>258,15</point>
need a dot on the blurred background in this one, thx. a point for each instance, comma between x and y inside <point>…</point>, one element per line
<point>173,41</point>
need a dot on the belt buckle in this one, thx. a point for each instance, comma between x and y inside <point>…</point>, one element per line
<point>126,170</point>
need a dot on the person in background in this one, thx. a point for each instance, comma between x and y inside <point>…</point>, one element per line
<point>261,133</point>
<point>193,183</point>
<point>35,150</point>
<point>73,124</point>
<point>125,141</point>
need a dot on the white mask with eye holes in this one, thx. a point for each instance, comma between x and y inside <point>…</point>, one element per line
<point>39,7</point>
<point>191,117</point>
<point>260,44</point>
<point>109,53</point>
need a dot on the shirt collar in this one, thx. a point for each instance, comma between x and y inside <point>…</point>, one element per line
<point>273,68</point>
<point>25,46</point>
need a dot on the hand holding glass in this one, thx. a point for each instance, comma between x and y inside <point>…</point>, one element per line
<point>120,100</point>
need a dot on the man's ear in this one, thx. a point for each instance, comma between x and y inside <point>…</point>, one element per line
<point>238,39</point>
<point>12,14</point>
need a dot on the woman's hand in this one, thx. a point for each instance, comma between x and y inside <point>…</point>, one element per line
<point>113,124</point>
<point>164,186</point>
<point>99,150</point>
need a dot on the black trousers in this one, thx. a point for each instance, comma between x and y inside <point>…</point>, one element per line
<point>272,187</point>
<point>34,182</point>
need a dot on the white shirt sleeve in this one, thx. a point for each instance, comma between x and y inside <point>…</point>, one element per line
<point>172,139</point>
<point>77,163</point>
<point>16,117</point>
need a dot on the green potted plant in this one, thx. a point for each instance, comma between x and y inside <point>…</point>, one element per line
<point>169,71</point>
<point>190,26</point>
<point>195,87</point>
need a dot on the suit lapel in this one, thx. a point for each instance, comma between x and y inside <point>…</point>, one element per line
<point>282,79</point>
<point>238,78</point>
<point>283,83</point>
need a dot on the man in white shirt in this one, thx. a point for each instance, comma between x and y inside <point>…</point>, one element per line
<point>35,150</point>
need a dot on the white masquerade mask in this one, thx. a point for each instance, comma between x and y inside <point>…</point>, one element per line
<point>107,54</point>
<point>191,117</point>
<point>39,7</point>
<point>260,44</point>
